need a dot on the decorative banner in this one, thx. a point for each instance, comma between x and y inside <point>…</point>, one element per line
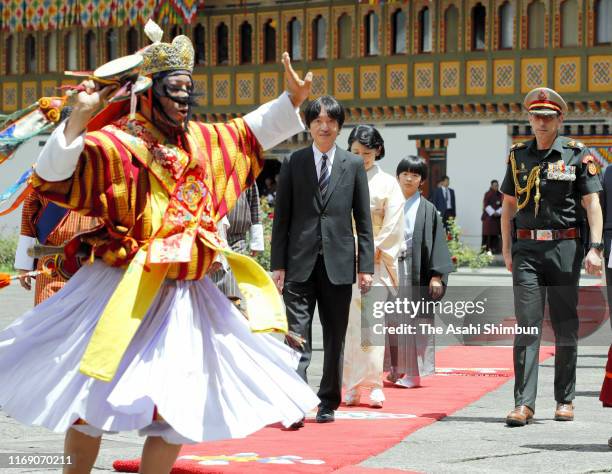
<point>15,195</point>
<point>19,15</point>
<point>95,12</point>
<point>14,15</point>
<point>52,15</point>
<point>382,2</point>
<point>186,8</point>
<point>176,11</point>
<point>69,13</point>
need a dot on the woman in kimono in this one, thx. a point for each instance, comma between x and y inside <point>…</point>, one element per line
<point>363,362</point>
<point>424,265</point>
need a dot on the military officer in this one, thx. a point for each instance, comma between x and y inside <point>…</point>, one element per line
<point>551,183</point>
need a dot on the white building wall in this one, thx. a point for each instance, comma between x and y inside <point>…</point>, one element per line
<point>475,157</point>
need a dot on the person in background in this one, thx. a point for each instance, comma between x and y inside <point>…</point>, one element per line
<point>269,191</point>
<point>363,364</point>
<point>444,201</point>
<point>424,265</point>
<point>244,219</point>
<point>491,218</point>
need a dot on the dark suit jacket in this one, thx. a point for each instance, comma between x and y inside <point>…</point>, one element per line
<point>440,203</point>
<point>304,223</point>
<point>430,254</point>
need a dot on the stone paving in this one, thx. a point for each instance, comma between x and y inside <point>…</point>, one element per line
<point>473,439</point>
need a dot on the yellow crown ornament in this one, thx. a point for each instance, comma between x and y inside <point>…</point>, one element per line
<point>158,57</point>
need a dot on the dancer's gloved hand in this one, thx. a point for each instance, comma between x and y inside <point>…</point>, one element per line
<point>88,103</point>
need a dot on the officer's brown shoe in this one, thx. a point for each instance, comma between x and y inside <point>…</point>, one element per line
<point>564,412</point>
<point>520,416</point>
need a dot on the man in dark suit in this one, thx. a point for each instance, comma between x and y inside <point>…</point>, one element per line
<point>444,200</point>
<point>320,191</point>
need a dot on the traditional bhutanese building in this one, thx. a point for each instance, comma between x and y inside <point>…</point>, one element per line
<point>441,78</point>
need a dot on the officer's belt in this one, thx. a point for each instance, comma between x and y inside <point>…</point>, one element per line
<point>548,234</point>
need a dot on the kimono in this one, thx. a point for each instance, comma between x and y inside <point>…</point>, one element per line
<point>363,363</point>
<point>192,370</point>
<point>427,256</point>
<point>45,223</point>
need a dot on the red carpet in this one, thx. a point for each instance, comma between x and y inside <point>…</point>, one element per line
<point>464,375</point>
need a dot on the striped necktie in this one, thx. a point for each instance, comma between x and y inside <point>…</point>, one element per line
<point>324,176</point>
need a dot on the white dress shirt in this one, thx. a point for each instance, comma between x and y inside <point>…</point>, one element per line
<point>411,207</point>
<point>318,157</point>
<point>447,197</point>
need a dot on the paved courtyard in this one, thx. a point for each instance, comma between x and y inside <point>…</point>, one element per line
<point>473,439</point>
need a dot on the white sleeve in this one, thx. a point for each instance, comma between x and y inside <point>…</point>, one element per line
<point>275,121</point>
<point>22,260</point>
<point>257,237</point>
<point>489,210</point>
<point>222,227</point>
<point>57,161</point>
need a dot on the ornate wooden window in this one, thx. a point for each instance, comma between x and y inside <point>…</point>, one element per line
<point>569,23</point>
<point>246,43</point>
<point>112,44</point>
<point>603,22</point>
<point>199,36</point>
<point>70,51</point>
<point>451,34</point>
<point>536,14</point>
<point>10,55</point>
<point>398,32</point>
<point>294,30</point>
<point>51,51</point>
<point>91,51</point>
<point>479,26</point>
<point>132,40</point>
<point>425,33</point>
<point>371,34</point>
<point>345,40</point>
<point>319,38</point>
<point>30,55</point>
<point>269,42</point>
<point>506,26</point>
<point>222,44</point>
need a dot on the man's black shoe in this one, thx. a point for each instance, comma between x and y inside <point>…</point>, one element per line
<point>325,415</point>
<point>297,425</point>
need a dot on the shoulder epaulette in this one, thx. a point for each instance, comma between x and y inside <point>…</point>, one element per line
<point>575,144</point>
<point>516,146</point>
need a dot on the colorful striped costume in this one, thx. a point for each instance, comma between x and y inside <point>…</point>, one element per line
<point>116,180</point>
<point>67,227</point>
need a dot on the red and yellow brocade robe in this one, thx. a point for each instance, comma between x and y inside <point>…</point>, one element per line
<point>119,181</point>
<point>70,225</point>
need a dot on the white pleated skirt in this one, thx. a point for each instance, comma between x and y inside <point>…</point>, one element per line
<point>193,358</point>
